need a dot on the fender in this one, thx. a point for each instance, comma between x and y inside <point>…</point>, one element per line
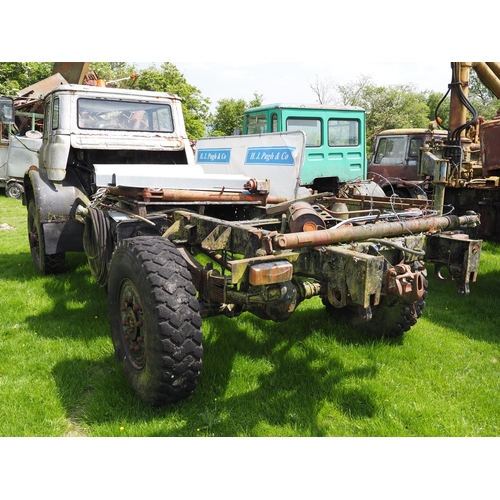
<point>56,204</point>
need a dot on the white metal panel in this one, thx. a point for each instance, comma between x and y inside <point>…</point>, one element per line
<point>221,162</point>
<point>166,176</point>
<point>278,157</point>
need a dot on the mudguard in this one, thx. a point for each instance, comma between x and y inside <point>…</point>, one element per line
<point>56,204</point>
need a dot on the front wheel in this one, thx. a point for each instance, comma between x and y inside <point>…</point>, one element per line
<point>154,319</point>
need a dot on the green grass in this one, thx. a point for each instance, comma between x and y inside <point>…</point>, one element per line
<point>304,377</point>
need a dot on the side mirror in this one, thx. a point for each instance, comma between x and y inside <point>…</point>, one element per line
<point>7,110</point>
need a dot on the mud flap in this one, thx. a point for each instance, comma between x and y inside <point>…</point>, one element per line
<point>57,204</point>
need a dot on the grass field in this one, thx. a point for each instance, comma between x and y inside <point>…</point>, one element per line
<point>305,377</point>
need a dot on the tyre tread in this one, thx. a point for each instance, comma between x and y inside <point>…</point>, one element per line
<point>176,311</point>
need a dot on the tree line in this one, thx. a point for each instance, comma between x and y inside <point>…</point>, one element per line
<point>393,106</point>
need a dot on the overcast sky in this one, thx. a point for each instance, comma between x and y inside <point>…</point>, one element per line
<point>290,81</point>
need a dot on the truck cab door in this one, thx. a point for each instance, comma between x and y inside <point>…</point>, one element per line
<point>390,156</point>
<point>410,169</point>
<point>54,152</point>
<point>44,149</point>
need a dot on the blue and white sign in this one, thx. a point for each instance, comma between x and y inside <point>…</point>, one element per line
<point>213,155</point>
<point>270,155</point>
<point>277,157</point>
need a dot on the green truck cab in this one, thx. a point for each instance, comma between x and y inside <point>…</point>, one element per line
<point>335,140</point>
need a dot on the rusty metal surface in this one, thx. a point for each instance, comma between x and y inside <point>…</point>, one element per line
<point>359,233</point>
<point>73,72</point>
<point>40,89</point>
<point>490,139</point>
<point>186,195</point>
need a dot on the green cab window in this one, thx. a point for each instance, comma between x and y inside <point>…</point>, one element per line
<point>256,124</point>
<point>310,126</point>
<point>343,133</point>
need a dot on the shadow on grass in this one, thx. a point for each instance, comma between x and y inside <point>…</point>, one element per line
<point>290,380</point>
<point>473,315</point>
<point>77,305</point>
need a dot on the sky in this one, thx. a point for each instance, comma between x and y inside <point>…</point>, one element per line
<point>290,81</point>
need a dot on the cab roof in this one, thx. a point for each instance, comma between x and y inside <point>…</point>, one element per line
<point>302,106</point>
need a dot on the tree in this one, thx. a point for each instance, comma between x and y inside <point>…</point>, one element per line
<point>15,76</point>
<point>226,118</point>
<point>323,89</point>
<point>257,100</point>
<point>351,94</point>
<point>482,98</point>
<point>228,114</point>
<point>111,71</point>
<point>395,106</point>
<point>169,79</point>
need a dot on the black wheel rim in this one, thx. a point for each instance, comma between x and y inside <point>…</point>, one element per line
<point>132,324</point>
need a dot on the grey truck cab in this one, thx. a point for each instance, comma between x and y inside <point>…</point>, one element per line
<point>85,126</point>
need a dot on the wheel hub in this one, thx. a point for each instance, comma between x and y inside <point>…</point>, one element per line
<point>132,324</point>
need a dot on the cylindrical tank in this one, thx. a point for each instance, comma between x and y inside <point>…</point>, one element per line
<point>303,217</point>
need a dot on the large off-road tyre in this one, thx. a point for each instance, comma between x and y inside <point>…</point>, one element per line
<point>391,318</point>
<point>154,319</point>
<point>44,263</point>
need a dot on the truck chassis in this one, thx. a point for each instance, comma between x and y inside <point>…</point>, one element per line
<point>174,239</point>
<point>167,264</point>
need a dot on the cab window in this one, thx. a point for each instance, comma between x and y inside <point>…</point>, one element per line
<point>415,145</point>
<point>274,122</point>
<point>390,151</point>
<point>124,115</point>
<point>343,133</point>
<point>55,114</point>
<point>256,124</point>
<point>310,126</point>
